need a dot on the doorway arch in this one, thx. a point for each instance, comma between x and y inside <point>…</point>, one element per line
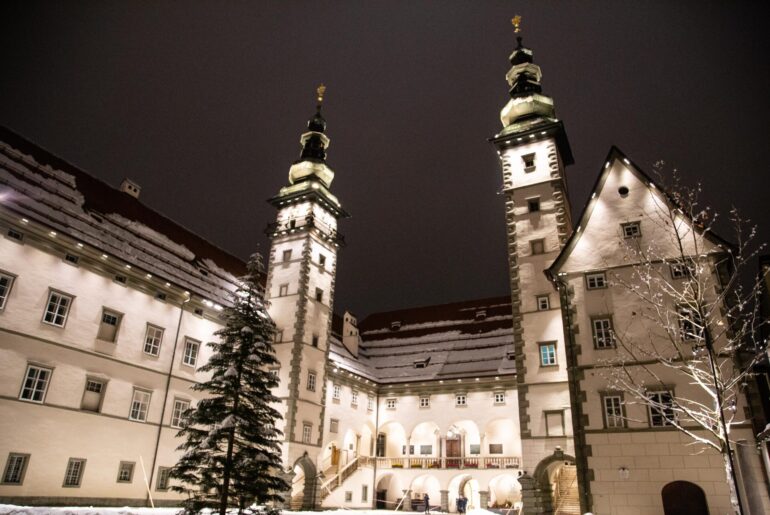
<point>684,498</point>
<point>303,486</point>
<point>556,480</point>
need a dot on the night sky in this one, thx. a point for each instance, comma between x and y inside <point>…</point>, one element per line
<point>203,103</point>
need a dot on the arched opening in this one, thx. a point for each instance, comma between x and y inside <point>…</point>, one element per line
<point>464,485</point>
<point>388,492</point>
<point>505,491</point>
<point>501,435</point>
<point>330,458</point>
<point>463,440</point>
<point>391,440</point>
<point>303,485</point>
<point>556,477</point>
<point>425,484</point>
<point>349,448</point>
<point>424,442</point>
<point>684,498</point>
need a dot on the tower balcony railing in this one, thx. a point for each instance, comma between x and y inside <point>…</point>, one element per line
<point>423,462</point>
<point>306,222</point>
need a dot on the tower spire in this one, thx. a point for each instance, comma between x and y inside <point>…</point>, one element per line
<point>315,142</point>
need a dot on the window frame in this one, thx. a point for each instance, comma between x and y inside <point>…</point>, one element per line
<point>533,202</point>
<point>146,411</point>
<point>546,298</point>
<point>682,269</point>
<point>21,473</point>
<point>612,394</point>
<point>153,327</point>
<point>81,472</point>
<point>636,229</point>
<point>563,422</point>
<point>687,321</point>
<point>391,403</point>
<point>334,425</point>
<point>307,433</point>
<point>286,256</point>
<point>177,419</point>
<point>101,392</point>
<point>534,243</point>
<point>11,278</point>
<point>600,274</point>
<point>118,320</point>
<point>528,162</point>
<point>650,408</point>
<point>354,397</point>
<point>61,295</point>
<point>47,383</point>
<point>132,465</point>
<point>594,335</point>
<point>424,401</point>
<point>336,392</point>
<point>283,290</point>
<point>310,384</point>
<point>319,295</point>
<point>543,345</point>
<point>163,479</point>
<point>369,403</point>
<point>189,342</point>
<point>498,401</point>
<point>461,400</point>
<point>322,260</point>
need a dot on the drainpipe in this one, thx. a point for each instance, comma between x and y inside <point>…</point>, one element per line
<point>165,393</point>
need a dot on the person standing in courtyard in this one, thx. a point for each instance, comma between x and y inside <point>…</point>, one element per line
<point>426,500</point>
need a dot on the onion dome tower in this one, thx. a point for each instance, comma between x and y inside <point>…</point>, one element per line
<point>300,290</point>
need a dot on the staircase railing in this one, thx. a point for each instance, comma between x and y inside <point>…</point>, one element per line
<point>559,496</point>
<point>335,481</point>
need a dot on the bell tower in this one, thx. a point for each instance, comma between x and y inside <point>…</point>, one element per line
<point>534,151</point>
<point>300,288</point>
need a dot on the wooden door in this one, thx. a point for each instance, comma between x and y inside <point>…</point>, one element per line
<point>335,456</point>
<point>453,451</point>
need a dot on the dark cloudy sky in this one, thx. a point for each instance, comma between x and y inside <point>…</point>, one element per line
<point>202,103</point>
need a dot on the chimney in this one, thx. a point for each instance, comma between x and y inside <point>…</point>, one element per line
<point>130,187</point>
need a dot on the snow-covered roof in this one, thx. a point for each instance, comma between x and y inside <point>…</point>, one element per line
<point>462,339</point>
<point>50,191</point>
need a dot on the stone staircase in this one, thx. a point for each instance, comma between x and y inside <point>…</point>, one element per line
<point>336,480</point>
<point>566,500</point>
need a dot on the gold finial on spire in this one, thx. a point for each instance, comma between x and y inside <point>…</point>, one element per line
<point>516,22</point>
<point>321,90</point>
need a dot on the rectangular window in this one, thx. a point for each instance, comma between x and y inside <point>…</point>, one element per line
<point>15,468</point>
<point>604,337</point>
<point>661,408</point>
<point>613,411</point>
<point>364,493</point>
<point>319,294</point>
<point>278,337</point>
<point>15,235</point>
<point>152,339</point>
<point>691,327</point>
<point>190,356</point>
<point>311,381</point>
<point>92,396</point>
<point>283,290</point>
<point>108,328</point>
<point>35,384</point>
<point>533,204</point>
<point>547,354</point>
<point>631,229</point>
<point>334,425</point>
<point>348,496</point>
<point>554,423</point>
<point>495,448</point>
<point>425,401</point>
<point>121,279</point>
<point>163,477</point>
<point>529,162</point>
<point>74,473</point>
<point>126,472</point>
<point>499,397</point>
<point>321,260</point>
<point>57,309</point>
<point>140,403</point>
<point>461,399</point>
<point>426,449</point>
<point>354,397</point>
<point>72,259</point>
<point>336,392</point>
<point>314,341</point>
<point>307,431</point>
<point>543,303</point>
<point>681,270</point>
<point>596,280</point>
<point>538,246</point>
<point>390,403</point>
<point>6,282</point>
<point>177,414</point>
<point>369,403</point>
<point>286,256</point>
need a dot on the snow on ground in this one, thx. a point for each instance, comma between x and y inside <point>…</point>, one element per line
<point>10,509</point>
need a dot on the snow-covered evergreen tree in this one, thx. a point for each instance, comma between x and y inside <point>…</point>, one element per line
<point>232,453</point>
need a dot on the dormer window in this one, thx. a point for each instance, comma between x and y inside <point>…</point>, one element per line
<point>481,314</point>
<point>510,355</point>
<point>421,363</point>
<point>631,230</point>
<point>395,326</point>
<point>529,162</point>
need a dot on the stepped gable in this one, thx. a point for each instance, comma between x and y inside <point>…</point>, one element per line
<point>60,195</point>
<point>461,339</point>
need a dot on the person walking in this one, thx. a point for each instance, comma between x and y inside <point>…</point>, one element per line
<point>462,502</point>
<point>426,500</point>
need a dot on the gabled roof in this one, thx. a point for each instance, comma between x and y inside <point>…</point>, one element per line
<point>615,155</point>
